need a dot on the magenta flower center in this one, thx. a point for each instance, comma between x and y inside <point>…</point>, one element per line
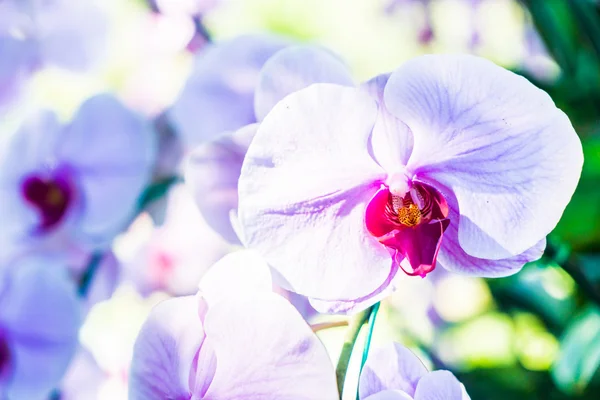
<point>411,225</point>
<point>50,196</point>
<point>4,356</point>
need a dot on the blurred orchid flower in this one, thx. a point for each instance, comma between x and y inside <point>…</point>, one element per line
<point>39,322</point>
<point>77,183</point>
<point>219,94</point>
<point>449,158</point>
<point>394,373</point>
<point>186,7</point>
<point>36,33</point>
<point>235,339</point>
<point>426,32</point>
<point>176,254</point>
<point>214,167</point>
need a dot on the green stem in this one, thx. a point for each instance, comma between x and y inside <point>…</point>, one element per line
<point>372,319</point>
<point>86,279</point>
<point>365,355</point>
<point>351,334</point>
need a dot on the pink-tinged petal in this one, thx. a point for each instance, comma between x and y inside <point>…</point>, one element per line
<point>392,367</point>
<point>439,385</point>
<point>204,370</point>
<point>111,150</point>
<point>165,351</point>
<point>235,274</point>
<point>219,94</point>
<point>213,171</point>
<point>499,143</point>
<point>40,316</point>
<point>376,222</point>
<point>265,350</point>
<point>295,68</point>
<point>454,258</point>
<point>304,187</point>
<point>389,395</point>
<point>391,141</point>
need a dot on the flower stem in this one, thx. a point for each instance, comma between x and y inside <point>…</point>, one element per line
<point>365,355</point>
<point>86,279</point>
<point>351,335</point>
<point>326,325</point>
<point>372,318</point>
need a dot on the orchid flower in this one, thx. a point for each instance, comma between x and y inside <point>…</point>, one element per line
<point>39,323</point>
<point>36,33</point>
<point>394,373</point>
<point>235,339</point>
<point>450,158</point>
<point>218,95</point>
<point>76,183</point>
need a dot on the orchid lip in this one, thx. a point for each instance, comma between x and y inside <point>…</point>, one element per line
<point>50,195</point>
<point>411,226</point>
<point>5,355</point>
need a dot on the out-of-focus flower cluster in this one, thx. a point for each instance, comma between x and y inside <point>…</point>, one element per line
<point>209,199</point>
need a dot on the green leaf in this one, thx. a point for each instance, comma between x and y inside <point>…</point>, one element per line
<point>579,355</point>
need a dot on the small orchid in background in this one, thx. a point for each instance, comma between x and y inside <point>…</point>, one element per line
<point>174,256</point>
<point>426,32</point>
<point>37,33</point>
<point>74,185</point>
<point>39,322</point>
<point>235,339</point>
<point>394,373</point>
<point>219,94</point>
<point>449,157</point>
<point>214,167</point>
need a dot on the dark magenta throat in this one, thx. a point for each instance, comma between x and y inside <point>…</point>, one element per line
<point>50,196</point>
<point>4,356</point>
<point>410,225</point>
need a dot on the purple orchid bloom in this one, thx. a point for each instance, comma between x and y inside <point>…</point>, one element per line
<point>235,339</point>
<point>39,323</point>
<point>77,183</point>
<point>35,33</point>
<point>219,94</point>
<point>394,373</point>
<point>449,158</point>
<point>214,167</point>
